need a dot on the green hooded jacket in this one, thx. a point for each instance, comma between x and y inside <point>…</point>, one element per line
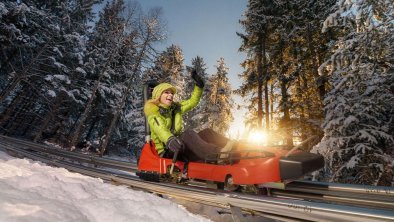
<point>161,117</point>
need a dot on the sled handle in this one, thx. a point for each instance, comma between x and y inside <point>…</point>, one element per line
<point>174,161</point>
<point>301,144</point>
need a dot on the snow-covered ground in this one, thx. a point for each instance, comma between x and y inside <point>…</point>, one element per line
<point>32,191</point>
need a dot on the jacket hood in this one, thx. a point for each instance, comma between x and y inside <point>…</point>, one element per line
<point>159,89</point>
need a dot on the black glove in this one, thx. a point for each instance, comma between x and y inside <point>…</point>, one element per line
<point>197,78</point>
<point>175,144</point>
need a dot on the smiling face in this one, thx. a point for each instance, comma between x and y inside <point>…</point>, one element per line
<point>167,97</point>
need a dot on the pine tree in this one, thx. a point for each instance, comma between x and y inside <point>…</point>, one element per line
<point>44,67</point>
<point>291,58</point>
<point>150,32</point>
<point>259,21</point>
<point>358,138</point>
<point>307,49</point>
<point>104,53</point>
<point>133,126</point>
<point>75,15</point>
<point>220,102</point>
<point>27,36</point>
<point>67,85</point>
<point>169,67</point>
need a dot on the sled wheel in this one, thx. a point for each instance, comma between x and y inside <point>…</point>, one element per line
<point>229,185</point>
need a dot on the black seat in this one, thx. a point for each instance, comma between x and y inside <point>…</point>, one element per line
<point>297,165</point>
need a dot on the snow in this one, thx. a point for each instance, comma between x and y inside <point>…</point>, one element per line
<point>80,70</point>
<point>56,49</point>
<point>3,10</point>
<point>350,119</point>
<point>352,162</point>
<point>32,191</point>
<point>61,66</point>
<point>62,78</point>
<point>51,93</point>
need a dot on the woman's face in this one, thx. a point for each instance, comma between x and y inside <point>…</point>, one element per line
<point>166,97</point>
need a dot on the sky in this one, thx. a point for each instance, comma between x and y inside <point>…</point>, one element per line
<point>206,28</point>
<point>34,192</point>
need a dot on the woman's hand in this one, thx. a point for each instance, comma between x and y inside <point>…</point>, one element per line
<point>175,144</point>
<point>197,78</point>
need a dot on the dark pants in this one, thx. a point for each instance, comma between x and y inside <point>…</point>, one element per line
<point>213,137</point>
<point>203,145</point>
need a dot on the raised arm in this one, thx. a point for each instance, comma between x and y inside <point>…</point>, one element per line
<point>189,104</point>
<point>193,101</point>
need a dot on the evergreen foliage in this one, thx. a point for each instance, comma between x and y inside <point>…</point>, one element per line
<point>220,102</point>
<point>287,67</point>
<point>63,84</point>
<point>169,67</point>
<point>41,51</point>
<point>358,138</point>
<point>258,23</point>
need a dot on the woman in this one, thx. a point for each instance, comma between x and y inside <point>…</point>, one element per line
<point>165,120</point>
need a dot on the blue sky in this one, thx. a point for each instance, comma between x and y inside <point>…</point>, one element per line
<point>206,28</point>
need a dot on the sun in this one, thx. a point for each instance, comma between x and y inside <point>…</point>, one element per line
<point>258,137</point>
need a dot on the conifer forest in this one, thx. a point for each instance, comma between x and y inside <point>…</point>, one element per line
<point>325,68</point>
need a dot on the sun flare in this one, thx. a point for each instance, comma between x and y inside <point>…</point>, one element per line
<point>258,137</point>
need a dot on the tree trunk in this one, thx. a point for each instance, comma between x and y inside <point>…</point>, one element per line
<point>272,102</point>
<point>10,87</point>
<point>319,80</point>
<point>7,59</point>
<point>12,108</point>
<point>286,123</point>
<point>265,81</point>
<point>30,126</point>
<point>260,57</point>
<point>49,117</point>
<point>92,126</point>
<point>19,119</point>
<point>267,103</point>
<point>302,110</point>
<point>85,113</point>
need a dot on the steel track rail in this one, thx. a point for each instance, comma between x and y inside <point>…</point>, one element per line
<point>287,209</point>
<point>88,158</point>
<point>356,195</point>
<point>345,188</point>
<point>369,196</point>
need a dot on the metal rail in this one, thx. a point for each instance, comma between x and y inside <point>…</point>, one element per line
<point>272,207</point>
<point>320,187</point>
<point>360,195</point>
<point>87,158</point>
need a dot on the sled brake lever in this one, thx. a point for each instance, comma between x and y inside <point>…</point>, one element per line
<point>174,161</point>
